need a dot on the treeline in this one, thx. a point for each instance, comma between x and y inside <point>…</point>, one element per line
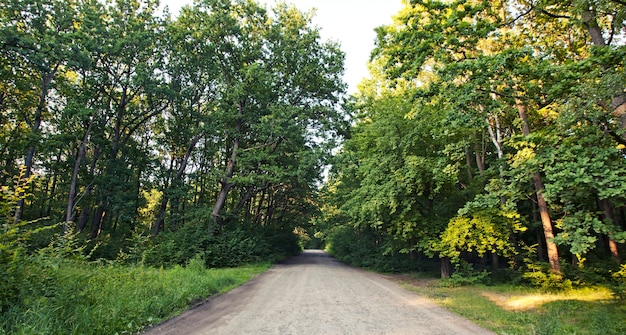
<point>492,135</point>
<point>208,129</point>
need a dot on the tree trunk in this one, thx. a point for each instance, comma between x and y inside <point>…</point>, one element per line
<point>495,134</point>
<point>546,222</point>
<point>69,214</point>
<point>618,101</point>
<point>230,169</point>
<point>479,152</point>
<point>46,80</point>
<point>446,268</point>
<point>607,210</point>
<point>495,261</point>
<point>553,253</point>
<point>84,216</point>
<point>159,222</point>
<point>96,225</point>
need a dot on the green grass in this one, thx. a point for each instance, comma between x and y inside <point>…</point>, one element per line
<point>522,310</point>
<point>108,299</point>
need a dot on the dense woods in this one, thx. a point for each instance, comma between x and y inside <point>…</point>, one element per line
<point>489,139</point>
<point>491,135</point>
<point>120,121</point>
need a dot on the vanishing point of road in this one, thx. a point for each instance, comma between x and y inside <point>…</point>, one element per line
<point>313,293</point>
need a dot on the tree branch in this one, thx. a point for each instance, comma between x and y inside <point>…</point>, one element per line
<point>555,16</point>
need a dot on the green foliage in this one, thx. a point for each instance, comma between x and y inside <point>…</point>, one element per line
<point>368,249</point>
<point>485,128</point>
<point>487,231</point>
<point>619,285</point>
<point>225,247</point>
<point>539,275</point>
<point>82,298</point>
<point>146,117</point>
<point>465,275</point>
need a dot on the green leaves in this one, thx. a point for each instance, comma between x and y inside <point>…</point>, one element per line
<point>491,107</point>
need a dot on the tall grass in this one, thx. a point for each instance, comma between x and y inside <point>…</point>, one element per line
<point>84,298</point>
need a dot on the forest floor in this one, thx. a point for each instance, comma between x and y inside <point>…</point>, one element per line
<point>313,293</point>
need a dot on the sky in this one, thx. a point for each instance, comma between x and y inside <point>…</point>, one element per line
<point>349,22</point>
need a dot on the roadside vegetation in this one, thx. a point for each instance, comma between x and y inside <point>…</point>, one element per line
<point>70,297</point>
<point>147,159</point>
<point>522,309</point>
<point>488,143</point>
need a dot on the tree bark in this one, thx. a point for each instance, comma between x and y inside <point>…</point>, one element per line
<point>46,80</point>
<point>96,225</point>
<point>84,216</point>
<point>179,175</point>
<point>546,222</point>
<point>69,214</point>
<point>230,169</point>
<point>618,101</point>
<point>607,210</point>
<point>479,152</point>
<point>446,268</point>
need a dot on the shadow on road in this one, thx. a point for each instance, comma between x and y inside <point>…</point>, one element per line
<point>312,256</point>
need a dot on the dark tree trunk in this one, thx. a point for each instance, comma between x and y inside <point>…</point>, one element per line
<point>98,219</point>
<point>607,210</point>
<point>69,213</point>
<point>230,169</point>
<point>46,80</point>
<point>446,268</point>
<point>618,100</point>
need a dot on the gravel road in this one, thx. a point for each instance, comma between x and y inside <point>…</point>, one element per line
<point>315,294</point>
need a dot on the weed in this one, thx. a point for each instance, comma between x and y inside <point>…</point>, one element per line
<point>87,298</point>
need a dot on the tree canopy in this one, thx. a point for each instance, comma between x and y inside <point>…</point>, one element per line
<point>132,122</point>
<point>488,129</point>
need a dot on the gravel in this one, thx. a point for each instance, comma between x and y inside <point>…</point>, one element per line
<point>313,293</point>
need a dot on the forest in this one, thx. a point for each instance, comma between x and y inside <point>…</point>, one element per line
<point>490,136</point>
<point>134,137</point>
<point>489,139</point>
<point>119,122</point>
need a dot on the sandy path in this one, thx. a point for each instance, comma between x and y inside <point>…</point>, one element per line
<point>315,294</point>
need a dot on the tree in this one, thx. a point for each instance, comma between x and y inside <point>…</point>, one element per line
<point>38,45</point>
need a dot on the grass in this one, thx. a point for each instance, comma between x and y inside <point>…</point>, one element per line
<point>511,310</point>
<point>112,299</point>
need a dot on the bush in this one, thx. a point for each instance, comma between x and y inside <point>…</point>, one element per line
<point>539,275</point>
<point>465,275</point>
<point>225,247</point>
<point>618,286</point>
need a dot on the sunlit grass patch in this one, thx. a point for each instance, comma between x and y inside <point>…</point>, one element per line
<point>507,309</point>
<point>536,299</point>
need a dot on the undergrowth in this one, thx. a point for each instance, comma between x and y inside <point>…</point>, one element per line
<point>88,298</point>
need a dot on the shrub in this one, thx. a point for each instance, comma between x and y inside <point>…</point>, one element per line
<point>465,275</point>
<point>225,247</point>
<point>539,275</point>
<point>618,286</point>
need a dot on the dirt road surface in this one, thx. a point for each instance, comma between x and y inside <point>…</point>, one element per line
<point>315,294</point>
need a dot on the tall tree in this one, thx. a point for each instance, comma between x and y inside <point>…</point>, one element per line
<point>38,45</point>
